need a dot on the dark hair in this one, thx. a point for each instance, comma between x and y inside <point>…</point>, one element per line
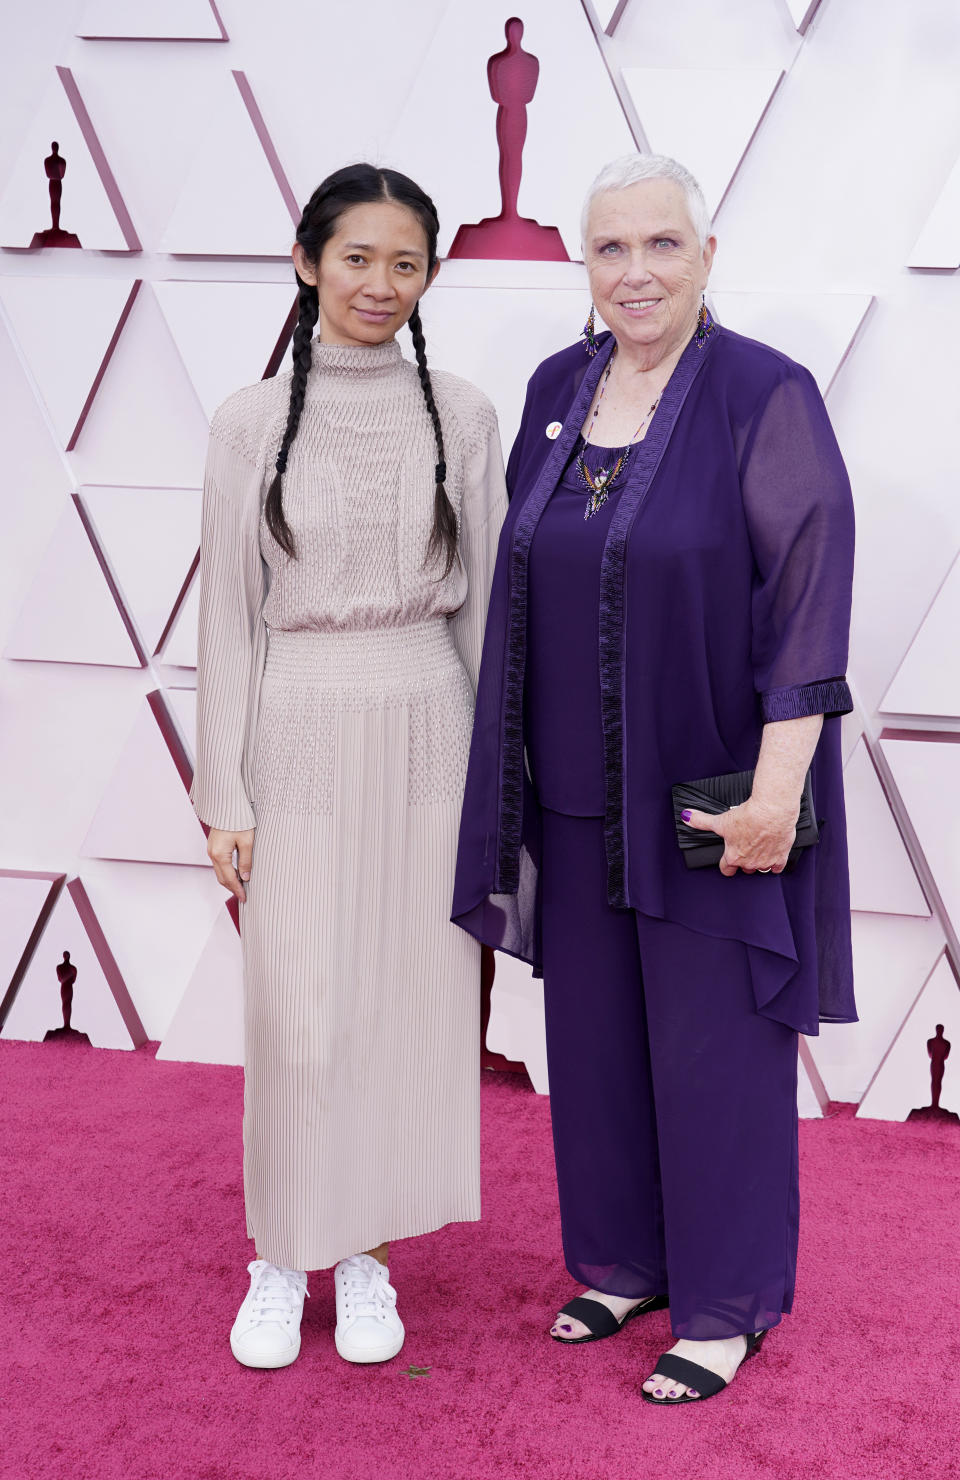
<point>360,184</point>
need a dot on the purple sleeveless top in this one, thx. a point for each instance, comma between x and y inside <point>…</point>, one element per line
<point>563,728</point>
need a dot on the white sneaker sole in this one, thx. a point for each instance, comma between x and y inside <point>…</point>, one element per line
<point>368,1353</point>
<point>268,1363</point>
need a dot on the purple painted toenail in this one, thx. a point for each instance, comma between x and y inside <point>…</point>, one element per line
<point>658,1392</point>
<point>693,1392</point>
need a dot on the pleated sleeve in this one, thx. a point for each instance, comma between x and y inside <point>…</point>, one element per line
<point>231,602</point>
<point>799,512</point>
<point>482,510</point>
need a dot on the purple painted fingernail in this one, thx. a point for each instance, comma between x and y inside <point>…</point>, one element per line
<point>686,815</point>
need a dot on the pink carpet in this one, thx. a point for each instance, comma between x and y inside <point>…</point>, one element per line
<point>124,1265</point>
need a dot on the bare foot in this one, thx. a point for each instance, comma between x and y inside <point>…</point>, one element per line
<point>721,1357</point>
<point>567,1328</point>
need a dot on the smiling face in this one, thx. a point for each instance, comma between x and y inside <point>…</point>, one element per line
<point>370,273</point>
<point>647,269</point>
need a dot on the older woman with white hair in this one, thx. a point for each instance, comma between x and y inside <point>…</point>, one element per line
<point>670,607</point>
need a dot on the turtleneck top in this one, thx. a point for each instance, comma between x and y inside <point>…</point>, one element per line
<point>358,494</point>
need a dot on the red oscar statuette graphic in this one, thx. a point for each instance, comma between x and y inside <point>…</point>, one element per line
<point>66,976</point>
<point>512,75</point>
<point>55,167</point>
<point>938,1051</point>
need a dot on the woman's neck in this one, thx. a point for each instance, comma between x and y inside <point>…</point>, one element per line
<point>646,363</point>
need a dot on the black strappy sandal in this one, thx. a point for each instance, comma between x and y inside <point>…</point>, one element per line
<point>600,1321</point>
<point>704,1382</point>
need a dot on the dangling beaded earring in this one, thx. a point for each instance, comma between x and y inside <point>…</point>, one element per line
<point>589,332</point>
<point>704,322</point>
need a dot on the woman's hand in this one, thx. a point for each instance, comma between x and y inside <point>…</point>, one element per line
<point>758,837</point>
<point>221,846</point>
<point>761,831</point>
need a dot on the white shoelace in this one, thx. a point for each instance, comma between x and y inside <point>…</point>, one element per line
<point>277,1293</point>
<point>367,1290</point>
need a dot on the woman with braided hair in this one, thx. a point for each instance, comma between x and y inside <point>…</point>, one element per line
<point>350,522</point>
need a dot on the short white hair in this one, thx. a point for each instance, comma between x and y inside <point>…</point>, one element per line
<point>630,169</point>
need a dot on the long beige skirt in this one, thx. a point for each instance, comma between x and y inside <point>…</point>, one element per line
<point>362,1003</point>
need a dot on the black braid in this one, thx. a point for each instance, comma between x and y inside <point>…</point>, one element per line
<point>302,355</point>
<point>443,536</point>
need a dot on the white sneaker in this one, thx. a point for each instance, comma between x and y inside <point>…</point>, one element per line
<point>266,1332</point>
<point>368,1327</point>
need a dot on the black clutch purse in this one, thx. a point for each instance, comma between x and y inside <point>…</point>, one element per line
<point>716,794</point>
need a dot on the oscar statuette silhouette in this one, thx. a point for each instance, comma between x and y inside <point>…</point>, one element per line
<point>938,1051</point>
<point>66,976</point>
<point>512,75</point>
<point>55,167</point>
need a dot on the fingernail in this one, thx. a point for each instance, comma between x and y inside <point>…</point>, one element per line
<point>244,877</point>
<point>686,815</point>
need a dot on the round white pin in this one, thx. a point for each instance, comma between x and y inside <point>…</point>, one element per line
<point>554,430</point>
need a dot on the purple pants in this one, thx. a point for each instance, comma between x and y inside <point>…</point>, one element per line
<point>674,1105</point>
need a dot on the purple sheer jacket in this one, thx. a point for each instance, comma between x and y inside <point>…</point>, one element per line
<point>725,586</point>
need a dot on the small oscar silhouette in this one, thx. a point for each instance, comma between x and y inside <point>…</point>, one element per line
<point>55,167</point>
<point>512,75</point>
<point>66,976</point>
<point>938,1051</point>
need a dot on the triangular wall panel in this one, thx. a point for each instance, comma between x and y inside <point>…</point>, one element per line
<point>70,615</point>
<point>101,1006</point>
<point>232,163</point>
<point>608,13</point>
<point>938,244</point>
<point>892,958</point>
<point>149,537</point>
<point>67,329</point>
<point>207,1027</point>
<point>882,878</point>
<point>457,320</point>
<point>903,1081</point>
<point>144,427</point>
<point>678,110</point>
<point>183,707</point>
<point>180,648</point>
<point>802,13</point>
<point>926,769</point>
<point>246,322</point>
<point>928,679</point>
<point>157,917</point>
<point>26,900</point>
<point>151,20</point>
<point>91,206</point>
<point>145,814</point>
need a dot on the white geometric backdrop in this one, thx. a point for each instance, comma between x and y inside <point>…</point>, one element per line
<point>827,138</point>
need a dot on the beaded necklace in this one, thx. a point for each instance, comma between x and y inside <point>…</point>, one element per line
<point>600,482</point>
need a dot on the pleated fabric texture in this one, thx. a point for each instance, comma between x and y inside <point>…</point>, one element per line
<point>349,675</point>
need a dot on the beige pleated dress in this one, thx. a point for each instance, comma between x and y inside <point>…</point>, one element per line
<point>335,702</point>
